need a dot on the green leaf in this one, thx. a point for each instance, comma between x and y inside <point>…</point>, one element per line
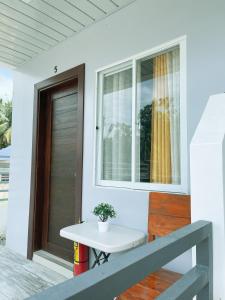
<point>104,211</point>
<point>5,123</point>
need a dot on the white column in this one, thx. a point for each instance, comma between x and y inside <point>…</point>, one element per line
<point>207,162</point>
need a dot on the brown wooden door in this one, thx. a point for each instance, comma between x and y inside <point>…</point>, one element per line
<point>62,200</point>
<point>57,161</point>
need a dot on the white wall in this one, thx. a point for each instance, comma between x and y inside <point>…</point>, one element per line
<point>208,182</point>
<point>141,26</point>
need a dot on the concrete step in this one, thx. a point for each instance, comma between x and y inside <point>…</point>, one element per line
<point>54,263</point>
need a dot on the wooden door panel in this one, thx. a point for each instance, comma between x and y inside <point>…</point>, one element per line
<point>62,180</point>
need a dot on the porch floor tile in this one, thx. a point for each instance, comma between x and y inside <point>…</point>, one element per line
<point>21,278</point>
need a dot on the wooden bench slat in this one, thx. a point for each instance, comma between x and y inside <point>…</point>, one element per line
<point>162,225</point>
<point>170,205</point>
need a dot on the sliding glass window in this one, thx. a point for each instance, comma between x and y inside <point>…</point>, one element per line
<point>138,122</point>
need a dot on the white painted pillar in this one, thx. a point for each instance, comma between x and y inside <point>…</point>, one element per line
<point>207,162</point>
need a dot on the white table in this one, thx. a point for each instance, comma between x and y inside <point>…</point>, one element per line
<point>117,239</point>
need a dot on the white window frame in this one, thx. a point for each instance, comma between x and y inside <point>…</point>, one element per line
<point>132,61</point>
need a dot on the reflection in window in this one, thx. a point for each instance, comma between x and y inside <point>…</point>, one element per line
<point>158,118</point>
<point>117,124</point>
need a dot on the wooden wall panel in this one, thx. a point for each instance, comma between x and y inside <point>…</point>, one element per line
<point>167,212</point>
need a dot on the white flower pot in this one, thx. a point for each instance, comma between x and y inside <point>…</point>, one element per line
<point>103,226</point>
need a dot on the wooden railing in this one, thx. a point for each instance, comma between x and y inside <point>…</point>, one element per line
<point>111,279</point>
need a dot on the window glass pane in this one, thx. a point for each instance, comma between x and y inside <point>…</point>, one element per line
<point>117,126</point>
<point>158,118</point>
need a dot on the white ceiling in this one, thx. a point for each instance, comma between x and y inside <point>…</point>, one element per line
<point>28,27</point>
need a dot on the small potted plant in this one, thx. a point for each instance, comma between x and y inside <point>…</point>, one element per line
<point>104,211</point>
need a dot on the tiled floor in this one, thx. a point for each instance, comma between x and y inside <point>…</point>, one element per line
<point>21,278</point>
<point>152,286</point>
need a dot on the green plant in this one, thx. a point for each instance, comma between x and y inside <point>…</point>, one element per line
<point>104,211</point>
<point>5,123</point>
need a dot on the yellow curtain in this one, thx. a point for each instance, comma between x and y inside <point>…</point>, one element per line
<point>160,171</point>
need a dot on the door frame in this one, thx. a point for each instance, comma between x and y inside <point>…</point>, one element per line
<point>77,73</point>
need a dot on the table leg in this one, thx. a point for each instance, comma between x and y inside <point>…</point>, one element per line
<point>100,258</point>
<point>106,256</point>
<point>97,258</point>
